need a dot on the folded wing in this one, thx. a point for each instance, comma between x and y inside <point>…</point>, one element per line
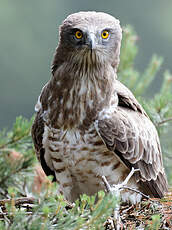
<point>133,137</point>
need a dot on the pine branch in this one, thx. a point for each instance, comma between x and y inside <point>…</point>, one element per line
<point>13,141</point>
<point>19,201</point>
<point>13,172</point>
<point>165,121</point>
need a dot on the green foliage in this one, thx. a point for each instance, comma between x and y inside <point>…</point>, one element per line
<point>17,159</point>
<point>52,214</point>
<point>137,82</point>
<point>155,225</point>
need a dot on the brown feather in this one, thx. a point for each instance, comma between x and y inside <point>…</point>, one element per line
<point>37,136</point>
<point>131,125</point>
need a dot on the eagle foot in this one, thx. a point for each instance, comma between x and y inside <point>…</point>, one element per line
<point>117,187</point>
<point>115,190</point>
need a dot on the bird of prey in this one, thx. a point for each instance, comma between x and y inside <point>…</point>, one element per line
<point>88,124</point>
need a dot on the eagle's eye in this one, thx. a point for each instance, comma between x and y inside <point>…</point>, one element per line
<point>105,34</point>
<point>78,34</point>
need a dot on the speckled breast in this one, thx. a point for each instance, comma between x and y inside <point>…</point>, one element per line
<point>80,160</point>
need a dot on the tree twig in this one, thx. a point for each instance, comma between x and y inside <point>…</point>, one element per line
<point>19,201</point>
<point>13,141</point>
<point>165,121</point>
<point>137,191</point>
<point>25,203</point>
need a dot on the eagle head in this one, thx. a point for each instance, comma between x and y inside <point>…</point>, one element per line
<point>94,36</point>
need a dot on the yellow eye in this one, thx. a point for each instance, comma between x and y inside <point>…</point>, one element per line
<point>105,34</point>
<point>78,34</point>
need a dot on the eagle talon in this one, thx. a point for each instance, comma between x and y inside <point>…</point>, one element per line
<point>117,187</point>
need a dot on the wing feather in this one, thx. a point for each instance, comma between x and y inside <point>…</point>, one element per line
<point>133,137</point>
<point>37,136</point>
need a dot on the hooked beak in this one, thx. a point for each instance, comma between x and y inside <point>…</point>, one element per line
<point>91,41</point>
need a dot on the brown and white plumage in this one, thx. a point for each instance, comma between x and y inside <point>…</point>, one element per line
<point>88,124</point>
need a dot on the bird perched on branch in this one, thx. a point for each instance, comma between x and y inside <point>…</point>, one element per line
<point>87,123</point>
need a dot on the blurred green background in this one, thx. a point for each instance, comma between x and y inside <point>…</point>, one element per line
<point>28,37</point>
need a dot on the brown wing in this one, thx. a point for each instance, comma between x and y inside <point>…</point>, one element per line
<point>127,99</point>
<point>133,137</point>
<point>37,136</point>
